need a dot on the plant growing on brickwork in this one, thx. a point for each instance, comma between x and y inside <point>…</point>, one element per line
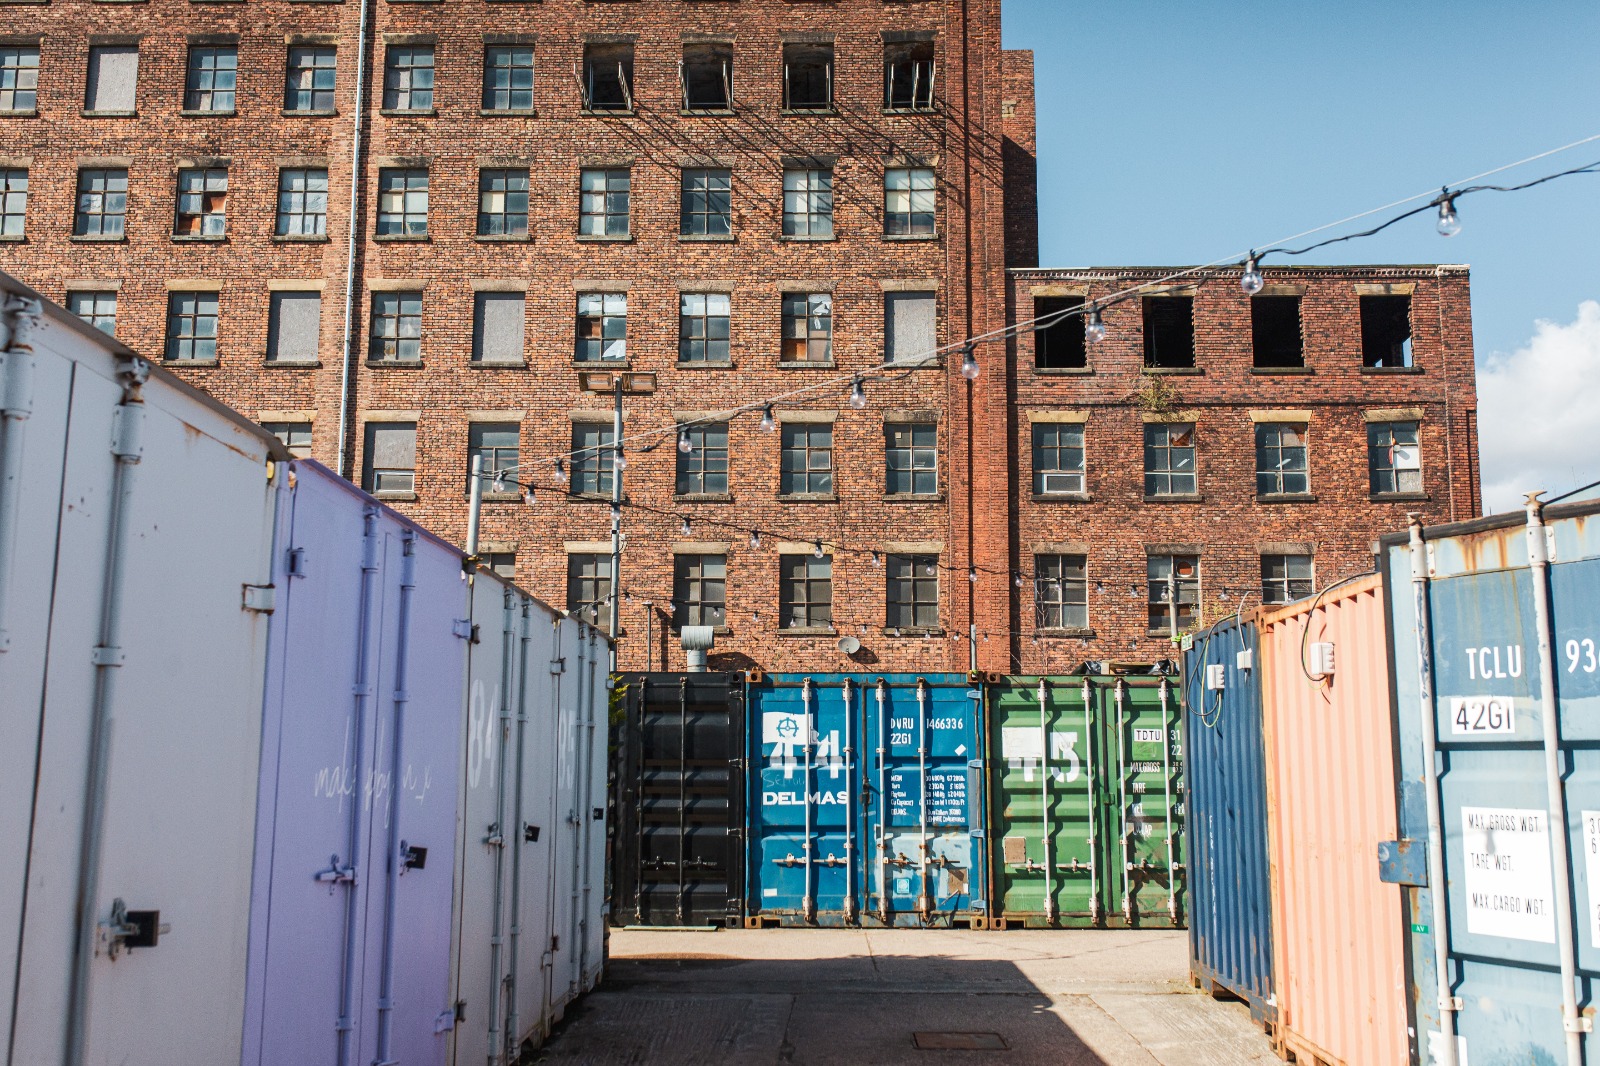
<point>1155,394</point>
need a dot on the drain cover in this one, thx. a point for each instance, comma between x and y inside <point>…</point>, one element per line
<point>958,1041</point>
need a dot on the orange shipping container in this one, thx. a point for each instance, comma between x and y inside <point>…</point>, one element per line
<point>1336,929</point>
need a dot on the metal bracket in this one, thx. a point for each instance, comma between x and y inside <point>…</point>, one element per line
<point>1403,862</point>
<point>336,873</point>
<point>1450,1004</point>
<point>1580,1024</point>
<point>297,562</point>
<point>127,431</point>
<point>558,666</point>
<point>107,655</point>
<point>262,599</point>
<point>127,930</point>
<point>464,628</point>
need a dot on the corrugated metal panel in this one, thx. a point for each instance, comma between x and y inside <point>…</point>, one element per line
<point>1230,922</point>
<point>1337,939</point>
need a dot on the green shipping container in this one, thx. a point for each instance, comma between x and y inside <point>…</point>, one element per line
<point>1086,804</point>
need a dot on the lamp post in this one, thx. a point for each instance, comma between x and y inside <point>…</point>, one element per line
<point>618,385</point>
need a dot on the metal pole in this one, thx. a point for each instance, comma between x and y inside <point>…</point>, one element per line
<point>1125,843</point>
<point>808,903</point>
<point>497,829</point>
<point>1089,782</point>
<point>475,505</point>
<point>649,637</point>
<point>1044,808</point>
<point>883,801</point>
<point>17,363</point>
<point>346,382</point>
<point>616,517</point>
<point>849,811</point>
<point>1166,782</point>
<point>1550,722</point>
<point>513,1035</point>
<point>972,648</point>
<point>1448,1004</point>
<point>925,901</point>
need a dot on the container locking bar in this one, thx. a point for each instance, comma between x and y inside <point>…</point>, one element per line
<point>1403,862</point>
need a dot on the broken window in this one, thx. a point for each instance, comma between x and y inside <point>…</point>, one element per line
<point>503,202</point>
<point>1386,331</point>
<point>807,327</point>
<point>602,326</point>
<point>202,202</point>
<point>13,201</point>
<point>396,327</point>
<point>703,469</point>
<point>19,77</point>
<point>1281,459</point>
<point>806,468</point>
<point>608,77</point>
<point>1394,458</point>
<point>908,74</point>
<point>604,203</point>
<point>1285,578</point>
<point>1173,577</point>
<point>98,308</point>
<point>302,202</point>
<point>1058,340</point>
<point>508,77</point>
<point>295,436</point>
<point>403,202</point>
<point>1061,591</point>
<point>1169,459</point>
<point>192,326</point>
<point>808,202</point>
<point>1168,331</point>
<point>102,202</point>
<point>1275,333</point>
<point>706,76</point>
<point>703,327</point>
<point>807,77</point>
<point>213,78</point>
<point>908,202</point>
<point>593,458</point>
<point>408,78</point>
<point>310,78</point>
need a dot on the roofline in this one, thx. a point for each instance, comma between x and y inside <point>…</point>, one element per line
<point>1267,268</point>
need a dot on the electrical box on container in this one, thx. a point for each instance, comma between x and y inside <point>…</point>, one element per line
<point>1245,660</point>
<point>1321,658</point>
<point>1216,677</point>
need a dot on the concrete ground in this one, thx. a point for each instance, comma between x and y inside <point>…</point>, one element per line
<point>883,997</point>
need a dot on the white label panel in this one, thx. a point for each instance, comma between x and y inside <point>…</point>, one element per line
<point>1149,736</point>
<point>1506,863</point>
<point>1026,742</point>
<point>1436,1048</point>
<point>1482,715</point>
<point>1591,867</point>
<point>780,728</point>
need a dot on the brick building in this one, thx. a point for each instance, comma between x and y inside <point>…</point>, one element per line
<point>728,200</point>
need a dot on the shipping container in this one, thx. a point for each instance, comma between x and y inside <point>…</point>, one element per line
<point>1495,625</point>
<point>1087,813</point>
<point>867,804</point>
<point>1225,757</point>
<point>1339,951</point>
<point>679,799</point>
<point>136,525</point>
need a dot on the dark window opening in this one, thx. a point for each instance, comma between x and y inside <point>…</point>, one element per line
<point>1285,578</point>
<point>1275,331</point>
<point>608,77</point>
<point>1168,331</point>
<point>807,77</point>
<point>707,77</point>
<point>700,590</point>
<point>1058,342</point>
<point>1173,577</point>
<point>908,76</point>
<point>1386,331</point>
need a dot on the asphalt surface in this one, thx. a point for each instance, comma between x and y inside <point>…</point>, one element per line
<point>885,997</point>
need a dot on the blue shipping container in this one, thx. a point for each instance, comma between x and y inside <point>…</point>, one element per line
<point>865,801</point>
<point>1230,917</point>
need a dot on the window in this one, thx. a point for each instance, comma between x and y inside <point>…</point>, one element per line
<point>911,458</point>
<point>1285,578</point>
<point>589,587</point>
<point>408,78</point>
<point>807,203</point>
<point>508,78</point>
<point>391,460</point>
<point>1386,331</point>
<point>707,76</point>
<point>309,78</point>
<point>501,564</point>
<point>396,327</point>
<point>1057,458</point>
<point>403,203</point>
<point>908,202</point>
<point>707,203</point>
<point>1169,459</point>
<point>808,76</point>
<point>202,202</point>
<point>1058,340</point>
<point>805,595</point>
<point>591,458</point>
<point>302,202</point>
<point>112,85</point>
<point>99,309</point>
<point>1275,334</point>
<point>1183,572</point>
<point>102,203</point>
<point>703,469</point>
<point>19,77</point>
<point>807,327</point>
<point>703,327</point>
<point>294,327</point>
<point>1060,592</point>
<point>911,598</point>
<point>700,590</point>
<point>213,72</point>
<point>807,466</point>
<point>1168,331</point>
<point>496,445</point>
<point>602,326</point>
<point>1281,459</point>
<point>608,77</point>
<point>499,324</point>
<point>192,326</point>
<point>908,76</point>
<point>296,436</point>
<point>13,202</point>
<point>911,326</point>
<point>503,203</point>
<point>1394,459</point>
<point>603,210</point>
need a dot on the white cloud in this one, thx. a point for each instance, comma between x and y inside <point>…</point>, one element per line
<point>1539,412</point>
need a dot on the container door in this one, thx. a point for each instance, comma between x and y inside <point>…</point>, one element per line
<point>1145,824</point>
<point>567,879</point>
<point>1047,867</point>
<point>539,826</point>
<point>591,686</point>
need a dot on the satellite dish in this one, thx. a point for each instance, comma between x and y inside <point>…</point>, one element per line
<point>849,645</point>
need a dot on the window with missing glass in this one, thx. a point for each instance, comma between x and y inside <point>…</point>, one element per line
<point>503,202</point>
<point>1386,332</point>
<point>202,202</point>
<point>607,76</point>
<point>310,78</point>
<point>403,202</point>
<point>13,201</point>
<point>591,458</point>
<point>302,202</point>
<point>911,592</point>
<point>1173,579</point>
<point>98,308</point>
<point>602,327</point>
<point>1169,459</point>
<point>1058,338</point>
<point>707,203</point>
<point>807,461</point>
<point>192,326</point>
<point>807,327</point>
<point>1285,578</point>
<point>508,77</point>
<point>408,78</point>
<point>908,76</point>
<point>589,587</point>
<point>808,76</point>
<point>808,202</point>
<point>707,76</point>
<point>604,206</point>
<point>703,327</point>
<point>295,436</point>
<point>390,464</point>
<point>700,590</point>
<point>501,564</point>
<point>1394,458</point>
<point>911,458</point>
<point>1061,591</point>
<point>1058,458</point>
<point>908,202</point>
<point>703,469</point>
<point>805,592</point>
<point>102,202</point>
<point>396,327</point>
<point>213,78</point>
<point>1281,459</point>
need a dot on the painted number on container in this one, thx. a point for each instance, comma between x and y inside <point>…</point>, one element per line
<point>1506,855</point>
<point>1471,716</point>
<point>1024,750</point>
<point>1591,866</point>
<point>1581,653</point>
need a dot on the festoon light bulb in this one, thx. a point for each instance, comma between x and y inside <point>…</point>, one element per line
<point>1449,223</point>
<point>972,573</point>
<point>684,445</point>
<point>858,395</point>
<point>755,539</point>
<point>1094,330</point>
<point>561,472</point>
<point>768,423</point>
<point>684,528</point>
<point>969,364</point>
<point>1251,280</point>
<point>817,551</point>
<point>618,460</point>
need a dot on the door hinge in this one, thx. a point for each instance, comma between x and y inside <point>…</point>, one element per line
<point>297,562</point>
<point>558,666</point>
<point>260,598</point>
<point>1403,862</point>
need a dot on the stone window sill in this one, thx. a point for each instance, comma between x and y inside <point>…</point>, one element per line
<point>291,364</point>
<point>703,497</point>
<point>1076,634</point>
<point>1176,497</point>
<point>807,364</point>
<point>14,238</point>
<point>809,238</point>
<point>1062,371</point>
<point>1285,497</point>
<point>105,114</point>
<point>99,238</point>
<point>606,112</point>
<point>30,113</point>
<point>910,632</point>
<point>604,238</point>
<point>498,497</point>
<point>1281,371</point>
<point>808,497</point>
<point>493,364</point>
<point>396,364</point>
<point>199,238</point>
<point>497,112</point>
<point>707,238</point>
<point>1062,497</point>
<point>308,113</point>
<point>300,238</point>
<point>809,112</point>
<point>401,238</point>
<point>705,364</point>
<point>1162,634</point>
<point>211,114</point>
<point>913,497</point>
<point>1400,497</point>
<point>910,236</point>
<point>1174,371</point>
<point>407,112</point>
<point>909,111</point>
<point>601,364</point>
<point>1380,371</point>
<point>808,631</point>
<point>706,112</point>
<point>396,497</point>
<point>166,361</point>
<point>503,238</point>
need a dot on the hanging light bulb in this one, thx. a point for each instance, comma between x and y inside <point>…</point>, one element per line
<point>1094,330</point>
<point>1099,587</point>
<point>618,460</point>
<point>627,597</point>
<point>683,441</point>
<point>1223,595</point>
<point>1449,223</point>
<point>972,573</point>
<point>877,560</point>
<point>768,423</point>
<point>897,631</point>
<point>684,529</point>
<point>1133,591</point>
<point>528,496</point>
<point>858,395</point>
<point>969,364</point>
<point>499,482</point>
<point>1251,280</point>
<point>1016,579</point>
<point>929,567</point>
<point>817,552</point>
<point>561,472</point>
<point>755,539</point>
<point>755,616</point>
<point>863,629</point>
